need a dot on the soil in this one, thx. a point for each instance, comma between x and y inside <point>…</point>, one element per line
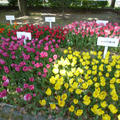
<point>15,114</point>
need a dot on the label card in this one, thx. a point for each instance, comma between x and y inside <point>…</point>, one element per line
<point>102,22</point>
<point>50,20</point>
<point>104,41</point>
<point>27,36</point>
<point>107,42</point>
<point>10,17</point>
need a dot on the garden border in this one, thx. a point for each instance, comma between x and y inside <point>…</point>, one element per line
<point>9,112</point>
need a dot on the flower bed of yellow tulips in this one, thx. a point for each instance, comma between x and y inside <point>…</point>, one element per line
<point>84,85</point>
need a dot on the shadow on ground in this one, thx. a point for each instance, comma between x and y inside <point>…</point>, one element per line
<point>39,17</point>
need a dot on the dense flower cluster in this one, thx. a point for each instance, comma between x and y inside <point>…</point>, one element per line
<point>24,68</point>
<point>56,33</point>
<point>5,28</point>
<point>91,28</point>
<point>1,30</point>
<point>85,83</point>
<point>77,84</point>
<point>85,34</point>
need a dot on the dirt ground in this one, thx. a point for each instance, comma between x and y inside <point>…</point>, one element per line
<point>38,17</point>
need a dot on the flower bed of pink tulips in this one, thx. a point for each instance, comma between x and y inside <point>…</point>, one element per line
<point>84,34</point>
<point>24,68</point>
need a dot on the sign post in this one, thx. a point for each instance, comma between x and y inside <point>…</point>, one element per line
<point>105,51</point>
<point>50,20</point>
<point>10,18</point>
<point>107,42</point>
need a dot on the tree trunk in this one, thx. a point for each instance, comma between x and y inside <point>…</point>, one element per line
<point>113,3</point>
<point>44,3</point>
<point>63,10</point>
<point>22,7</point>
<point>63,13</point>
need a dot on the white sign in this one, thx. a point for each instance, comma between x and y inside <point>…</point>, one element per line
<point>10,17</point>
<point>27,36</point>
<point>104,22</point>
<point>104,41</point>
<point>50,20</point>
<point>107,42</point>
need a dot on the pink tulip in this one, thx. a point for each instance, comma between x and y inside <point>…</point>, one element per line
<point>37,65</point>
<point>44,75</point>
<point>31,87</point>
<point>54,57</point>
<point>26,86</point>
<point>45,70</point>
<point>18,90</point>
<point>50,59</point>
<point>48,66</point>
<point>4,77</point>
<point>6,69</point>
<point>5,83</point>
<point>56,45</point>
<point>34,94</point>
<point>31,79</point>
<point>13,57</point>
<point>52,50</point>
<point>36,58</point>
<point>17,68</point>
<point>3,93</point>
<point>2,62</point>
<point>27,97</point>
<point>39,73</point>
<point>46,48</point>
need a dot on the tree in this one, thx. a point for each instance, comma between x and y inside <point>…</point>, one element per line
<point>22,7</point>
<point>113,3</point>
<point>61,4</point>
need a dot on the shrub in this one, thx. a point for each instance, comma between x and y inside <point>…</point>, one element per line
<point>30,3</point>
<point>58,3</point>
<point>93,4</point>
<point>12,2</point>
<point>63,3</point>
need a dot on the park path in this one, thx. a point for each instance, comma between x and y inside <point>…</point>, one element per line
<point>38,17</point>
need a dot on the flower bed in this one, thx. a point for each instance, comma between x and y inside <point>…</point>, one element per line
<point>5,28</point>
<point>83,85</point>
<point>85,34</point>
<point>40,78</point>
<point>41,32</point>
<point>24,68</point>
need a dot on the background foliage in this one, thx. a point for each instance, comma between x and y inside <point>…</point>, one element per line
<point>63,3</point>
